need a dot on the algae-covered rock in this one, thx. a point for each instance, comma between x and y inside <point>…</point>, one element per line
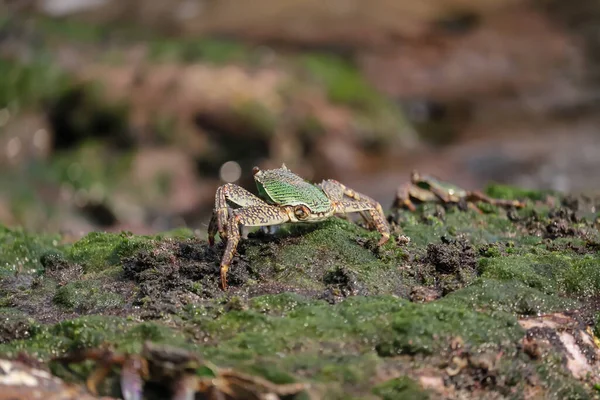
<point>452,314</point>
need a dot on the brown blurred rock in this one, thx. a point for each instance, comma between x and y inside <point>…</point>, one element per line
<point>340,22</point>
<point>513,51</point>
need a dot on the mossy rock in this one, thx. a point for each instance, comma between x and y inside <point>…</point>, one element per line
<point>319,303</point>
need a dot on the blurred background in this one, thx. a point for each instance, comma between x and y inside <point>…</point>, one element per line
<point>127,115</point>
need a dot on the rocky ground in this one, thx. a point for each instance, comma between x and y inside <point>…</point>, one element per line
<point>502,304</point>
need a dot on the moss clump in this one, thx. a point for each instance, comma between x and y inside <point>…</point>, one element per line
<point>402,388</point>
<point>216,51</point>
<point>97,251</point>
<point>548,272</point>
<point>508,192</point>
<point>510,296</point>
<point>21,251</point>
<point>333,245</point>
<point>420,328</point>
<point>90,165</point>
<point>85,296</point>
<point>89,332</point>
<point>387,323</point>
<point>25,85</point>
<point>343,81</point>
<point>375,115</point>
<point>14,325</point>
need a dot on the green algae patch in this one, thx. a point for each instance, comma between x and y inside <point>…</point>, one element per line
<point>210,50</point>
<point>125,335</point>
<point>97,251</point>
<point>510,296</point>
<point>391,325</point>
<point>402,388</point>
<point>428,328</point>
<point>549,272</point>
<point>508,192</point>
<point>20,251</point>
<point>346,85</point>
<point>28,84</point>
<point>477,228</point>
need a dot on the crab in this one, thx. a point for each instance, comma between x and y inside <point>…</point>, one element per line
<point>286,197</point>
<point>176,368</point>
<point>424,189</point>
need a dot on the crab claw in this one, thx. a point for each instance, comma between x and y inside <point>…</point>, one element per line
<point>131,379</point>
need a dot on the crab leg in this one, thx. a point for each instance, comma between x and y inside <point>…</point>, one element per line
<point>356,202</point>
<point>257,215</point>
<point>132,376</point>
<point>228,194</point>
<point>478,196</point>
<point>403,197</point>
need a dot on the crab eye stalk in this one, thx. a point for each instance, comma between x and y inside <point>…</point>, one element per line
<point>255,170</point>
<point>301,212</point>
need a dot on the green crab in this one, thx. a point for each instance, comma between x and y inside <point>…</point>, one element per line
<point>287,198</point>
<point>424,188</point>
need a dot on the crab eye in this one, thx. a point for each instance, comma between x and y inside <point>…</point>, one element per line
<point>301,212</point>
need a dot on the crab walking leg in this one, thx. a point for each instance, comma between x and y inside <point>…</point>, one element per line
<point>403,197</point>
<point>258,215</point>
<point>228,193</point>
<point>348,206</point>
<point>357,202</point>
<point>185,387</point>
<point>133,373</point>
<point>479,196</point>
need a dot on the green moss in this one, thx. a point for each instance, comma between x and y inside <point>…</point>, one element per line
<point>511,296</point>
<point>374,114</point>
<point>325,248</point>
<point>517,268</point>
<point>427,329</point>
<point>391,325</point>
<point>21,251</point>
<point>86,295</point>
<point>508,192</point>
<point>216,51</point>
<point>97,251</point>
<point>257,117</point>
<point>560,383</point>
<point>400,388</point>
<point>547,272</point>
<point>65,29</point>
<point>89,332</point>
<point>90,165</point>
<point>343,81</point>
<point>27,84</point>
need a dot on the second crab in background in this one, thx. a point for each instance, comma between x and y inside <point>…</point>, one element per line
<point>428,189</point>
